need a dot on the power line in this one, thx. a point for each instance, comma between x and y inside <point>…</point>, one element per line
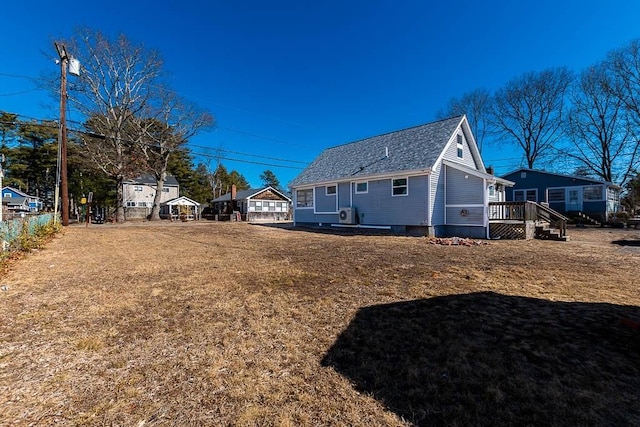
<point>18,93</point>
<point>18,76</point>
<point>212,156</point>
<point>248,154</point>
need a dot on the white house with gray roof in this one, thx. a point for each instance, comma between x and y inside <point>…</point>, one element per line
<point>427,180</point>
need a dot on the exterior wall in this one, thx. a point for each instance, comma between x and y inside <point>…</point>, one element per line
<point>325,203</point>
<point>144,197</point>
<point>436,195</point>
<point>375,207</point>
<point>438,198</point>
<point>379,207</point>
<point>451,152</point>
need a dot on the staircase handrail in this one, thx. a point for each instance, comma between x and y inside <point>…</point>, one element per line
<point>555,218</point>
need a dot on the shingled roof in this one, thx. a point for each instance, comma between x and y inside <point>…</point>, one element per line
<point>410,149</point>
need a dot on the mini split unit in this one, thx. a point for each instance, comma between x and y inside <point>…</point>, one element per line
<point>347,215</point>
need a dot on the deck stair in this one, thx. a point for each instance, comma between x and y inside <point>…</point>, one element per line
<point>582,218</point>
<point>546,232</point>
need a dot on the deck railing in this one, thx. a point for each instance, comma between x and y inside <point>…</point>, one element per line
<point>527,211</point>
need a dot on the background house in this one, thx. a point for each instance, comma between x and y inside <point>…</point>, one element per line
<point>567,194</point>
<point>429,179</point>
<point>254,204</point>
<point>139,193</point>
<point>34,204</point>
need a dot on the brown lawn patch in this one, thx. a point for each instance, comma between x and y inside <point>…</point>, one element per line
<point>237,324</point>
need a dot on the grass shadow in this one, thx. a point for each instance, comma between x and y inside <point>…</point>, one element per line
<point>634,243</point>
<point>491,359</point>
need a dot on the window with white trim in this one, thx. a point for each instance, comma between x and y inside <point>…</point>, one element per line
<point>492,191</point>
<point>304,198</point>
<point>592,193</point>
<point>331,190</point>
<point>556,195</point>
<point>528,195</point>
<point>362,187</point>
<point>460,146</point>
<point>137,188</point>
<point>399,187</point>
<point>165,189</point>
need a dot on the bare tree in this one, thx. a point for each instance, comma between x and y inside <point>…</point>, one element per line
<point>624,67</point>
<point>114,87</point>
<point>528,111</point>
<point>172,122</point>
<point>598,127</point>
<point>477,106</point>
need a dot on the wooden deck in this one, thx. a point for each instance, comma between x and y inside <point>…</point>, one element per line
<point>525,220</point>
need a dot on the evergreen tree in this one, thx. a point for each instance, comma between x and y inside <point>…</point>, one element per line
<point>268,178</point>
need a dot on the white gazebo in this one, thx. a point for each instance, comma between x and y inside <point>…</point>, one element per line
<point>180,208</point>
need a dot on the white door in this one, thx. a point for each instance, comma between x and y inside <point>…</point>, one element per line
<point>574,199</point>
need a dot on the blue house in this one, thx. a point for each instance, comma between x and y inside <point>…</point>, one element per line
<point>567,194</point>
<point>33,202</point>
<point>427,180</point>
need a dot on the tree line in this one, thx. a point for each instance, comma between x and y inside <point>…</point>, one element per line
<point>133,124</point>
<point>590,119</point>
<point>30,150</point>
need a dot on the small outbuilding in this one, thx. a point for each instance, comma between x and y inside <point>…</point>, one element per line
<point>180,209</point>
<point>253,204</point>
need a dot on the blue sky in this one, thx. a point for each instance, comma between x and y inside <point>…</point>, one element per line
<point>286,79</point>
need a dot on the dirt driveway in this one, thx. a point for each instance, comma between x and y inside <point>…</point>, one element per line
<point>236,324</point>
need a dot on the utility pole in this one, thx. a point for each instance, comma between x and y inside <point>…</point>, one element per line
<point>62,136</point>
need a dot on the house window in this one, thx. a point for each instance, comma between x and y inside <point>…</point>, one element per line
<point>6,195</point>
<point>331,190</point>
<point>142,204</point>
<point>556,195</point>
<point>528,195</point>
<point>399,187</point>
<point>592,193</point>
<point>492,191</point>
<point>165,189</point>
<point>362,187</point>
<point>460,146</point>
<point>131,204</point>
<point>304,198</point>
<point>137,188</point>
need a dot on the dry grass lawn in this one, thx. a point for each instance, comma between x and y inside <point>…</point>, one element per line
<point>236,324</point>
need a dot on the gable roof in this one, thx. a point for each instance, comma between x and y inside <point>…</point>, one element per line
<point>16,201</point>
<point>148,179</point>
<point>246,194</point>
<point>182,201</point>
<point>18,192</point>
<point>409,149</point>
<point>585,180</point>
